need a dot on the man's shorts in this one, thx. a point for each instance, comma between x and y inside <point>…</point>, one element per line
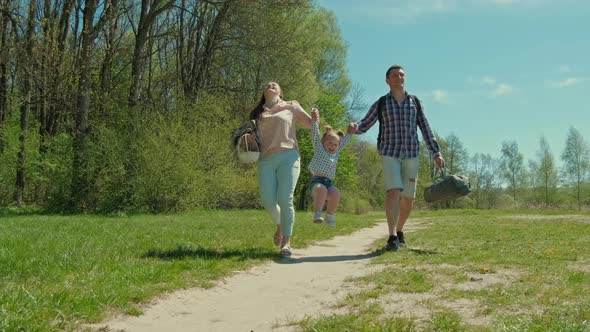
<point>397,174</point>
<point>319,179</point>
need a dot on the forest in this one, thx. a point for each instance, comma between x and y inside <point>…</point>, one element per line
<point>128,106</point>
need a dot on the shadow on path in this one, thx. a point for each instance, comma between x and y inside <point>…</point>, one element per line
<point>327,259</point>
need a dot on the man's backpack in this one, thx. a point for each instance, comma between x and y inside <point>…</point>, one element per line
<point>447,186</point>
<point>381,107</point>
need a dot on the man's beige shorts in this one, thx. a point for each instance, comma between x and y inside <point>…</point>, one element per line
<point>400,174</point>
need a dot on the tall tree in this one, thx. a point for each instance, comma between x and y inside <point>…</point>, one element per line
<point>533,182</point>
<point>547,171</point>
<point>57,93</point>
<point>512,163</point>
<point>484,180</point>
<point>5,49</point>
<point>27,76</point>
<point>80,180</point>
<point>150,10</point>
<point>455,154</point>
<point>576,160</point>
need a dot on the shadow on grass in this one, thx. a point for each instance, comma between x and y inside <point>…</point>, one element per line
<point>182,252</point>
<point>422,251</point>
<point>326,259</point>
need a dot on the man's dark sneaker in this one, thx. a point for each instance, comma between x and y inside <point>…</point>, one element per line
<point>400,238</point>
<point>392,243</point>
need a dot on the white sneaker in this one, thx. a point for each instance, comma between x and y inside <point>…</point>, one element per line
<point>317,217</point>
<point>330,220</point>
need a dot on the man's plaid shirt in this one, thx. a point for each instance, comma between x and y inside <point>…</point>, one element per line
<point>399,135</point>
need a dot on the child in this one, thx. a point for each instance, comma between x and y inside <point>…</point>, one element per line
<point>323,167</point>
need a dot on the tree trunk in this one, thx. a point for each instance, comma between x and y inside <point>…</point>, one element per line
<point>113,28</point>
<point>80,181</point>
<point>197,41</point>
<point>150,9</point>
<point>4,58</point>
<point>56,96</point>
<point>26,104</point>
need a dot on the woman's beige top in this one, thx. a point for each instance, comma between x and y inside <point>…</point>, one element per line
<point>276,130</point>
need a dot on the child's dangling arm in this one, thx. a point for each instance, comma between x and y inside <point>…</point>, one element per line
<point>345,141</point>
<point>315,129</point>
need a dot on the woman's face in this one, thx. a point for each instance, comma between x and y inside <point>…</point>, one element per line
<point>272,90</point>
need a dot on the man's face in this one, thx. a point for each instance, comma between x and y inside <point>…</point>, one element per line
<point>396,79</point>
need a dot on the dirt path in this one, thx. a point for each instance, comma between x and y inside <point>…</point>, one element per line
<point>266,297</point>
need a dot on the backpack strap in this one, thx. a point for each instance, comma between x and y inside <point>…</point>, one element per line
<point>380,108</point>
<point>417,102</point>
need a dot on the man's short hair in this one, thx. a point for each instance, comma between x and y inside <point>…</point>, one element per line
<point>394,67</point>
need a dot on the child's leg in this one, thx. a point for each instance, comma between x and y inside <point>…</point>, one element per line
<point>333,198</point>
<point>319,193</point>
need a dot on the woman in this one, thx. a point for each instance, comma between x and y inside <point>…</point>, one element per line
<point>278,166</point>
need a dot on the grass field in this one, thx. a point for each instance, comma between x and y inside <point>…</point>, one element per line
<point>57,272</point>
<point>462,271</point>
<point>476,271</point>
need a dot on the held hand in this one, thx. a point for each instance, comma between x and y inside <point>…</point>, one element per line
<point>315,114</point>
<point>440,162</point>
<point>351,128</point>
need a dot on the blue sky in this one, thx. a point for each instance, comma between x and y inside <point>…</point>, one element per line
<point>487,70</point>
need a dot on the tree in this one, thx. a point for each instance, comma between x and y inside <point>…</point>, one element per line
<point>80,178</point>
<point>6,21</point>
<point>533,181</point>
<point>484,180</point>
<point>26,102</point>
<point>369,172</point>
<point>455,154</point>
<point>546,171</point>
<point>53,75</point>
<point>150,9</point>
<point>512,165</point>
<point>576,160</point>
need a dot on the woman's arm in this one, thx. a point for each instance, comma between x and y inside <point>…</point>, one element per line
<point>300,114</point>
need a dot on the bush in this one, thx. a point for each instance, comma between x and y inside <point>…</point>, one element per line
<point>505,201</point>
<point>351,203</point>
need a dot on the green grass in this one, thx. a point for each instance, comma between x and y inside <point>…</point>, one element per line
<point>519,274</point>
<point>57,272</point>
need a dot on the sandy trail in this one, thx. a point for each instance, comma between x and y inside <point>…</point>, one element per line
<point>265,297</point>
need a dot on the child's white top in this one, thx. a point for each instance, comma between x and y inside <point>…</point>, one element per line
<point>324,163</point>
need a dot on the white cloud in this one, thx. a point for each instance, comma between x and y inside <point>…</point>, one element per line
<point>488,80</point>
<point>440,96</point>
<point>498,89</point>
<point>502,89</point>
<point>570,81</point>
<point>564,69</point>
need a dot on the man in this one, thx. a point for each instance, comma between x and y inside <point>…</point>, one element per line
<point>399,115</point>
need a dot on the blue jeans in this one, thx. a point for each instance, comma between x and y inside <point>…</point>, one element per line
<point>277,177</point>
<point>319,179</point>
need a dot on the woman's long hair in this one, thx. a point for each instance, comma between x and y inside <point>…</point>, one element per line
<point>256,111</point>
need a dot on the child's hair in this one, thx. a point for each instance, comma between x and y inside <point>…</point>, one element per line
<point>331,131</point>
